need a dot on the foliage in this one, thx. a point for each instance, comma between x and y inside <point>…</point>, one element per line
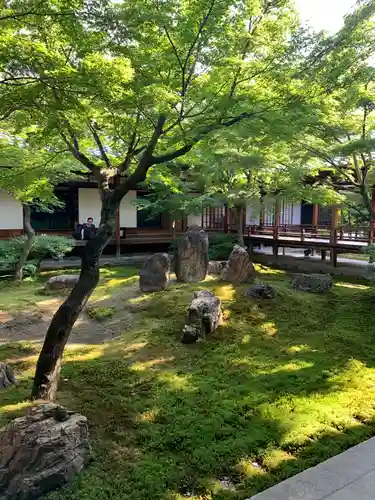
<point>44,246</point>
<point>258,402</point>
<point>220,246</point>
<point>100,313</point>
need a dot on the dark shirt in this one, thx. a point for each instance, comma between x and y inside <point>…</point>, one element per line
<point>88,231</point>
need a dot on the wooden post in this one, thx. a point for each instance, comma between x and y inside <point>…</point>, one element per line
<point>244,219</point>
<point>118,229</point>
<point>315,216</point>
<point>335,223</point>
<point>261,215</point>
<point>225,219</point>
<point>276,219</point>
<point>372,223</point>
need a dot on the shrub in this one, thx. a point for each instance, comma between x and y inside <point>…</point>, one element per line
<point>54,247</point>
<point>221,245</point>
<point>44,246</point>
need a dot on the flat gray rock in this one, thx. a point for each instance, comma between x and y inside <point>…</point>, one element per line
<point>61,282</point>
<point>314,283</point>
<point>42,451</point>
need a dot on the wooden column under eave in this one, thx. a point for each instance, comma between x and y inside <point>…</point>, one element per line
<point>315,216</point>
<point>334,226</point>
<point>276,225</point>
<point>261,215</point>
<point>118,228</point>
<point>225,219</point>
<point>372,223</point>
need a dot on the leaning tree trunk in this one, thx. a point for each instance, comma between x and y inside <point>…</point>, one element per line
<point>26,248</point>
<point>240,227</point>
<point>49,362</point>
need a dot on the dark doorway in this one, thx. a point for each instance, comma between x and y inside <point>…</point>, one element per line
<point>62,218</point>
<point>306,214</point>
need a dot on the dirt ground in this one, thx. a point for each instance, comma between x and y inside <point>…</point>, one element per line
<point>31,324</point>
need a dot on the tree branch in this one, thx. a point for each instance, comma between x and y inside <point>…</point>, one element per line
<point>99,144</point>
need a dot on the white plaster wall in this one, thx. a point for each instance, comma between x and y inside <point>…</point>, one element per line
<point>89,205</point>
<point>194,220</point>
<point>10,212</point>
<point>128,211</point>
<point>297,214</point>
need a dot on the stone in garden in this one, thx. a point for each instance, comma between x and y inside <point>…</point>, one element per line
<point>315,283</point>
<point>215,266</point>
<point>203,317</point>
<point>7,377</point>
<point>42,451</point>
<point>61,282</point>
<point>261,291</point>
<point>239,268</point>
<point>154,275</point>
<point>191,261</point>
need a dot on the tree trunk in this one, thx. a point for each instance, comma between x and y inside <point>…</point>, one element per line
<point>49,362</point>
<point>240,227</point>
<point>26,248</point>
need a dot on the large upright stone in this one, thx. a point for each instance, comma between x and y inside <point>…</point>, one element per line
<point>239,268</point>
<point>203,317</point>
<point>42,451</point>
<point>191,262</point>
<point>154,275</point>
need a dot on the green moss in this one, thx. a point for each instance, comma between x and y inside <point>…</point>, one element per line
<point>281,386</point>
<point>100,313</point>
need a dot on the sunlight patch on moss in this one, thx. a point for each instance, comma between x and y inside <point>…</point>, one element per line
<point>140,366</point>
<point>351,285</point>
<point>177,382</point>
<point>299,348</point>
<point>269,329</point>
<point>260,268</point>
<point>149,415</point>
<point>15,407</point>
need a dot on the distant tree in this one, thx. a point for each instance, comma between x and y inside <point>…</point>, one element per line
<point>29,176</point>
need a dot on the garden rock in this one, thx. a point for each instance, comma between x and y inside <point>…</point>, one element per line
<point>7,377</point>
<point>191,262</point>
<point>315,283</point>
<point>239,268</point>
<point>203,317</point>
<point>261,291</point>
<point>215,266</point>
<point>42,451</point>
<point>154,275</point>
<point>61,282</point>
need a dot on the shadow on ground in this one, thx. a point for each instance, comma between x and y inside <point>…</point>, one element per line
<point>283,385</point>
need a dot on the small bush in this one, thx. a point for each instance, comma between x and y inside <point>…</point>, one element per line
<point>44,246</point>
<point>221,245</point>
<point>100,313</point>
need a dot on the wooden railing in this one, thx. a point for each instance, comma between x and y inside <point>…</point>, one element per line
<point>308,232</point>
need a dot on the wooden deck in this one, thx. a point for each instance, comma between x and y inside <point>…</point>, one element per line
<point>323,239</point>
